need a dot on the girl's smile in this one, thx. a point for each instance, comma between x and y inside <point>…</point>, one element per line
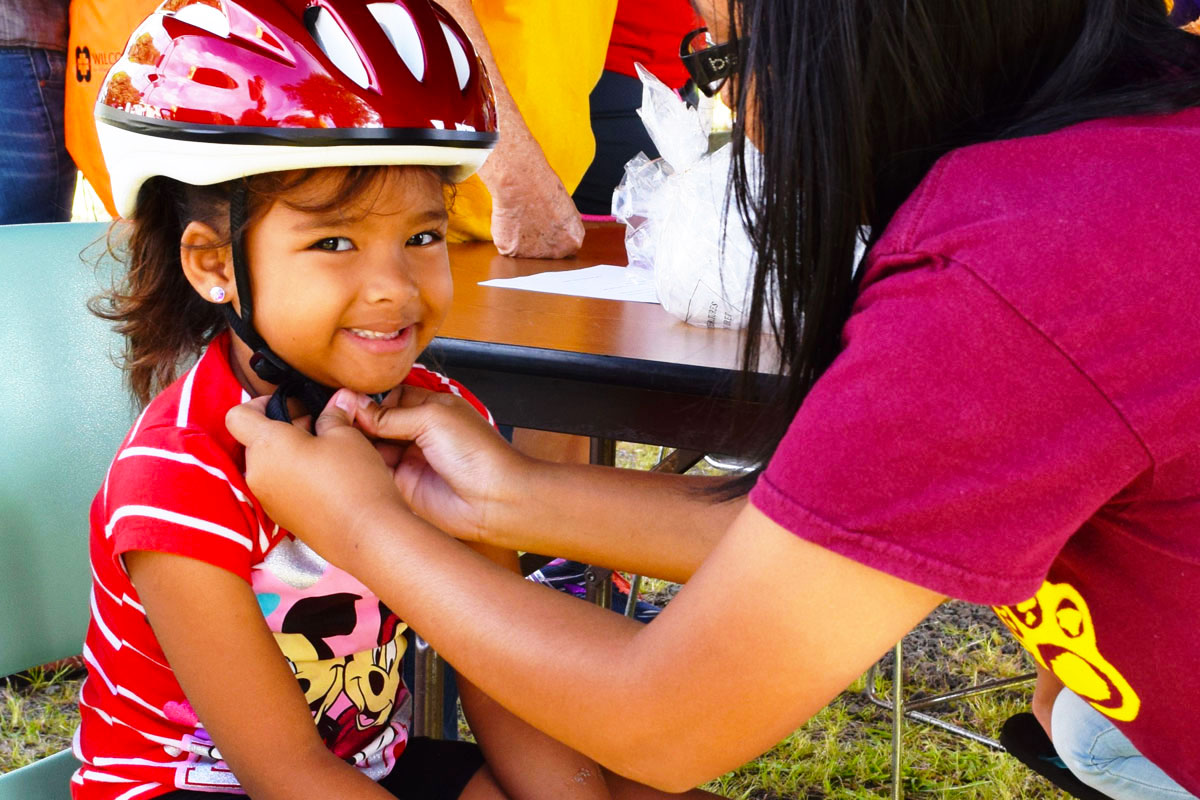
<point>381,339</point>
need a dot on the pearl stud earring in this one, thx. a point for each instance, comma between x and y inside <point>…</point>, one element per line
<point>217,294</point>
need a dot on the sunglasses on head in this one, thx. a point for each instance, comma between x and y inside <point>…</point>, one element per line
<point>709,64</point>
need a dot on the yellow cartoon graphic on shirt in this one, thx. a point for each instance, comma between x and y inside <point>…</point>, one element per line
<point>320,679</point>
<point>353,697</point>
<point>372,681</point>
<point>1056,627</point>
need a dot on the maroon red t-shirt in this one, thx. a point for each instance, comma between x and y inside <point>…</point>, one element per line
<point>1015,418</point>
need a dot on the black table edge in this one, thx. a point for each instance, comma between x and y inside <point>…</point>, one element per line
<point>448,354</point>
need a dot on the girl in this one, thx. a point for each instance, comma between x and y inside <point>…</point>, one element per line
<point>1000,406</point>
<point>234,132</point>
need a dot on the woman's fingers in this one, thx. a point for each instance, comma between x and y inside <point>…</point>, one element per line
<point>417,411</point>
<point>434,450</point>
<point>392,452</point>
<point>338,412</point>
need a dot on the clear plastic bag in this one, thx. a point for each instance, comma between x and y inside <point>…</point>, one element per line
<point>678,227</point>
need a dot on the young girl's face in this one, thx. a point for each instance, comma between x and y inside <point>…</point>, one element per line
<point>351,297</point>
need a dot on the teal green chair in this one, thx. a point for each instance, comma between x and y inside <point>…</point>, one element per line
<point>63,413</point>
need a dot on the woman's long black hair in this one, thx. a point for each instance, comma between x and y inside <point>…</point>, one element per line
<point>852,101</point>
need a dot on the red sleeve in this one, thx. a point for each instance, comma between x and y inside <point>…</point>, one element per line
<point>174,490</point>
<point>426,378</point>
<point>951,444</point>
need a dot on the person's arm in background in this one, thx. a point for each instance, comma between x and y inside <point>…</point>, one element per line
<point>533,216</point>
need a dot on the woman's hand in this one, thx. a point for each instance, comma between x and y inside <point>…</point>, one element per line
<point>317,486</point>
<point>456,470</point>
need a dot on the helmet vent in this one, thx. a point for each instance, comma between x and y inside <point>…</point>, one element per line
<point>461,65</point>
<point>401,31</point>
<point>335,44</point>
<point>205,17</point>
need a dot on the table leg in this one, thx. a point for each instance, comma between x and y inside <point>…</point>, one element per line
<point>635,588</point>
<point>598,580</point>
<point>427,694</point>
<point>604,452</point>
<point>678,462</point>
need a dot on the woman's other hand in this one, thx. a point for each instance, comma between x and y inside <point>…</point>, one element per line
<point>455,469</point>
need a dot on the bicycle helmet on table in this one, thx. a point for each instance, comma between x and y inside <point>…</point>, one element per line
<point>209,91</point>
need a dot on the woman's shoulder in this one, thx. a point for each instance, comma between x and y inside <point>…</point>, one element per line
<point>1106,204</point>
<point>1087,237</point>
<point>1102,180</point>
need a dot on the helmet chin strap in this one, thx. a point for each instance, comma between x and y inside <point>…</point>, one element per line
<point>265,363</point>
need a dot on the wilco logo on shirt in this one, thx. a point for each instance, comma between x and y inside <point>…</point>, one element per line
<point>1056,627</point>
<point>86,62</point>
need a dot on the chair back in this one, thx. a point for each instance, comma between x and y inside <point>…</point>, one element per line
<point>63,413</point>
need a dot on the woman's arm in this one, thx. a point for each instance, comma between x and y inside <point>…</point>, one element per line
<point>768,631</point>
<point>647,523</point>
<point>582,512</point>
<point>212,631</point>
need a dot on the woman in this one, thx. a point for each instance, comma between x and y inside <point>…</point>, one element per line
<point>999,406</point>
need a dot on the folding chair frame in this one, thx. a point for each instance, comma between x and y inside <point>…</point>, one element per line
<point>914,709</point>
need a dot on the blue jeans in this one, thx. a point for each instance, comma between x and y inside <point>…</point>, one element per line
<point>1100,755</point>
<point>37,176</point>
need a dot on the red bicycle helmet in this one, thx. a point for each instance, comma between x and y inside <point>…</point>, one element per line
<point>211,90</point>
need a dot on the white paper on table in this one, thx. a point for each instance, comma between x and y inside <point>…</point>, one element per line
<point>604,282</point>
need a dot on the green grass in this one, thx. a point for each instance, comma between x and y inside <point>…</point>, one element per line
<point>842,753</point>
<point>37,715</point>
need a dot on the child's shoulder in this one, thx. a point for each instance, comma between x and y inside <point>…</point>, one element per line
<point>176,485</point>
<point>184,426</point>
<point>193,407</point>
<point>425,378</point>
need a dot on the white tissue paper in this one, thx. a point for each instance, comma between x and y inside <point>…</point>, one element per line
<point>677,225</point>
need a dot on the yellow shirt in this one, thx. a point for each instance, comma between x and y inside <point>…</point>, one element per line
<point>551,54</point>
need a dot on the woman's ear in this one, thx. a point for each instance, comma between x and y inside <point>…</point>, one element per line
<point>207,261</point>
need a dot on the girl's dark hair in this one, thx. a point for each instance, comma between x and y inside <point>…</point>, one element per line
<point>164,321</point>
<point>853,101</point>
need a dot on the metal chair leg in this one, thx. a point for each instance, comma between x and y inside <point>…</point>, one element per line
<point>897,718</point>
<point>914,709</point>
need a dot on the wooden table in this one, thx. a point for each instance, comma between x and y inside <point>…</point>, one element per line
<point>599,368</point>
